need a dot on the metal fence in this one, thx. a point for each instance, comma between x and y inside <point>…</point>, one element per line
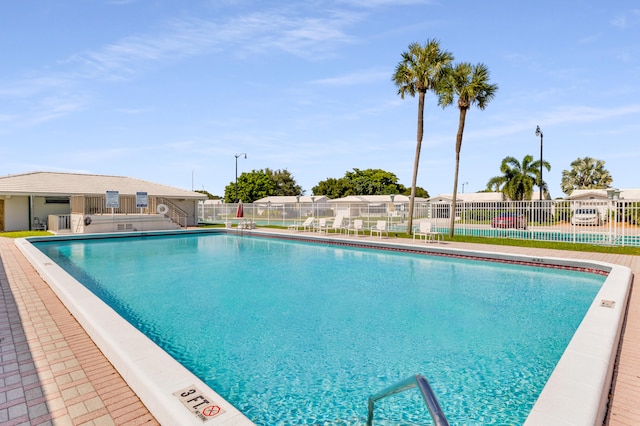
<point>605,222</point>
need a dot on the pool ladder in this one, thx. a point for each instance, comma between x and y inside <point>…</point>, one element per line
<point>411,382</point>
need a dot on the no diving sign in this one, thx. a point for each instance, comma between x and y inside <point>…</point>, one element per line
<point>200,405</point>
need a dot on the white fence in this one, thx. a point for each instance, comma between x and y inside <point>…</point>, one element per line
<point>606,222</point>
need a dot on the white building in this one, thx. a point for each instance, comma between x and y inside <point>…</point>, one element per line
<point>81,203</point>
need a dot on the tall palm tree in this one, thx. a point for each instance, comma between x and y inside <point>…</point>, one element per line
<point>518,179</point>
<point>585,173</point>
<point>419,71</point>
<point>470,85</point>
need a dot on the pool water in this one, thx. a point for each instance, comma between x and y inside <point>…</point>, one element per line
<point>302,333</point>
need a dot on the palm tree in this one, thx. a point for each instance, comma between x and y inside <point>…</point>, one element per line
<point>470,84</point>
<point>420,70</point>
<point>518,179</point>
<point>585,173</point>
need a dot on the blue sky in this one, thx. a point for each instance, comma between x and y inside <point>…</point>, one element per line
<point>171,91</point>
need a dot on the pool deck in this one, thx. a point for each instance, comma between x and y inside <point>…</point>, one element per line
<point>51,372</point>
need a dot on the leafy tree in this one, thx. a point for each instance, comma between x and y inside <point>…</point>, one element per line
<point>470,85</point>
<point>251,186</point>
<point>262,183</point>
<point>373,182</point>
<point>361,182</point>
<point>585,173</point>
<point>420,192</point>
<point>332,188</point>
<point>285,184</point>
<point>419,71</point>
<point>518,179</point>
<point>208,194</point>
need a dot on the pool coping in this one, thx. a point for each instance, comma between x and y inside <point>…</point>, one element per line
<point>576,393</point>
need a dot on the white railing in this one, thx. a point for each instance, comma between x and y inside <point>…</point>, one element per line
<point>615,222</point>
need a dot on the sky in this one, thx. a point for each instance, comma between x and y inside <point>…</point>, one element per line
<point>172,91</point>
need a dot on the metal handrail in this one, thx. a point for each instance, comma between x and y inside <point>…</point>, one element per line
<point>409,383</point>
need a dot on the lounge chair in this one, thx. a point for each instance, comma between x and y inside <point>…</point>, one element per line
<point>322,226</point>
<point>426,231</point>
<point>306,224</point>
<point>379,228</point>
<point>355,227</point>
<point>337,226</point>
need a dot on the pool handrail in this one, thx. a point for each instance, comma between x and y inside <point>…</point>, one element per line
<point>423,385</point>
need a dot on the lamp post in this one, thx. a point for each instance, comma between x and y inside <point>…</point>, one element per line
<point>313,213</point>
<point>392,196</point>
<point>539,133</point>
<point>245,157</point>
<point>298,203</point>
<point>463,184</point>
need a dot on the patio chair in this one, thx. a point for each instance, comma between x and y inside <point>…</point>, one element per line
<point>322,226</point>
<point>379,228</point>
<point>306,224</point>
<point>39,224</point>
<point>426,231</point>
<point>337,226</point>
<point>355,227</point>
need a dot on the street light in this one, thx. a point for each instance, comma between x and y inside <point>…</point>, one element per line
<point>245,157</point>
<point>463,184</point>
<point>539,133</point>
<point>391,207</point>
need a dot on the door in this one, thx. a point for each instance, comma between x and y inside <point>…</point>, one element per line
<point>1,215</point>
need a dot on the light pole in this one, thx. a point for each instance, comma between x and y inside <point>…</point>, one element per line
<point>245,157</point>
<point>463,184</point>
<point>539,133</point>
<point>392,196</point>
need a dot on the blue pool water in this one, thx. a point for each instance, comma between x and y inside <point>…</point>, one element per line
<point>301,333</point>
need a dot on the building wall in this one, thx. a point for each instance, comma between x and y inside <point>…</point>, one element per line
<point>16,213</point>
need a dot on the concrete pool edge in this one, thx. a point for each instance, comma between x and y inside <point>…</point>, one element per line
<point>150,372</point>
<point>576,393</point>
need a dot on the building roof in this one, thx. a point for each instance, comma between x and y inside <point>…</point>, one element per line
<point>65,184</point>
<point>584,194</point>
<point>469,197</point>
<point>397,198</point>
<point>288,199</point>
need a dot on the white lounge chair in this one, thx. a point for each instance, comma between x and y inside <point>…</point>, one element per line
<point>426,231</point>
<point>307,224</point>
<point>337,226</point>
<point>379,228</point>
<point>322,226</point>
<point>356,227</point>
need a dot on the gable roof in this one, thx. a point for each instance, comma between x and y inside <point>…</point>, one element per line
<point>287,199</point>
<point>65,184</point>
<point>397,198</point>
<point>469,197</point>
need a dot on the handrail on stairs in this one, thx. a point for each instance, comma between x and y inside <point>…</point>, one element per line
<point>423,385</point>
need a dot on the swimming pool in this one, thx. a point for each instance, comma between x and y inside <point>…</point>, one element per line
<point>391,303</point>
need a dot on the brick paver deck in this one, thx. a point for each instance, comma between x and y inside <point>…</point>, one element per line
<point>52,373</point>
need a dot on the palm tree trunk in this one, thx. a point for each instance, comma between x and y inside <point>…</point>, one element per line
<point>463,115</point>
<point>416,161</point>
